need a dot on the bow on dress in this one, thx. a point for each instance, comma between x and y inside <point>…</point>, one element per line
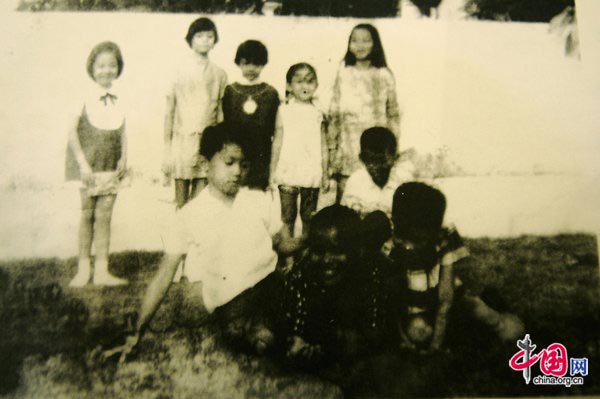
<point>107,97</point>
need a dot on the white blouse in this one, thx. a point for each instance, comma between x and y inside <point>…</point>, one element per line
<point>105,109</point>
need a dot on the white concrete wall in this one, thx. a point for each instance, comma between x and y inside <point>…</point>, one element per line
<point>501,96</point>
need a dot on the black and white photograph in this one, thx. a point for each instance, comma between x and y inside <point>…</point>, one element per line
<point>299,199</point>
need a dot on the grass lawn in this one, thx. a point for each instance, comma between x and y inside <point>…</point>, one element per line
<point>51,335</point>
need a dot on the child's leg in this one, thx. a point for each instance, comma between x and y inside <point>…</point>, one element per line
<point>197,186</point>
<point>103,215</point>
<point>308,205</point>
<point>507,326</point>
<point>182,192</point>
<point>86,223</point>
<point>341,186</point>
<point>86,234</point>
<point>289,206</point>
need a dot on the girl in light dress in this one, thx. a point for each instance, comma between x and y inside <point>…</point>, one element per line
<point>193,103</point>
<point>364,96</point>
<point>299,161</point>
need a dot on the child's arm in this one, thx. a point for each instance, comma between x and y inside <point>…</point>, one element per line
<point>352,196</point>
<point>222,86</point>
<point>154,295</point>
<point>405,343</point>
<point>324,156</point>
<point>167,166</point>
<point>85,169</point>
<point>276,148</point>
<point>285,244</point>
<point>446,296</point>
<point>122,163</point>
<point>335,122</point>
<point>392,107</point>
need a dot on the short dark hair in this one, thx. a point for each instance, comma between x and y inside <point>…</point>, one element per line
<point>344,220</point>
<point>377,56</point>
<point>417,205</point>
<point>376,229</point>
<point>104,47</point>
<point>201,25</point>
<point>378,140</point>
<point>253,51</point>
<point>214,138</point>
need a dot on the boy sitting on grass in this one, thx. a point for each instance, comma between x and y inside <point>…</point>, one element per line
<point>428,254</point>
<point>229,235</point>
<point>372,187</point>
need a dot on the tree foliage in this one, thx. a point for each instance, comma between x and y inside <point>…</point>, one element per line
<point>517,10</point>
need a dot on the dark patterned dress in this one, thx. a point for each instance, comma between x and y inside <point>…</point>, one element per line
<point>251,110</point>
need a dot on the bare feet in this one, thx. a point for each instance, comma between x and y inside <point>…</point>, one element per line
<point>83,274</point>
<point>103,277</point>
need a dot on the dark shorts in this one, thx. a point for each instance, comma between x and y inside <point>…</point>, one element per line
<point>251,309</point>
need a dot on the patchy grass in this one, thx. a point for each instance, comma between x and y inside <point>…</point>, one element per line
<point>51,335</point>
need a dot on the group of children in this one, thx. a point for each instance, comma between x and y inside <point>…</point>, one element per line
<point>292,146</point>
<point>375,271</point>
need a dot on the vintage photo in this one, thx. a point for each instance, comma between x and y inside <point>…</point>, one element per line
<point>299,198</point>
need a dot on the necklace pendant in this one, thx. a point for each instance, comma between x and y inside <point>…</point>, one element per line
<point>249,106</point>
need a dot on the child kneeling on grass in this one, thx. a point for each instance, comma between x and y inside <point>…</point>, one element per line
<point>428,254</point>
<point>229,235</point>
<point>329,316</point>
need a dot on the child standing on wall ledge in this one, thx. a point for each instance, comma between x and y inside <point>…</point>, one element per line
<point>250,106</point>
<point>364,96</point>
<point>97,155</point>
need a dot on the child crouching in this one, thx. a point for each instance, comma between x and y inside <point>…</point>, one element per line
<point>428,253</point>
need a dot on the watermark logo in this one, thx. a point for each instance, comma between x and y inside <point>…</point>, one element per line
<point>553,362</point>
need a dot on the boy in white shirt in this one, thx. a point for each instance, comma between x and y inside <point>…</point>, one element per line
<point>372,187</point>
<point>229,235</point>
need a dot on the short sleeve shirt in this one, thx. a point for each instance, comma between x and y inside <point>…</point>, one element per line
<point>229,247</point>
<point>423,280</point>
<point>364,196</point>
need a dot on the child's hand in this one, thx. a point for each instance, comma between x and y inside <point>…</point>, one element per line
<point>301,348</point>
<point>121,168</point>
<point>167,167</point>
<point>325,184</point>
<point>405,343</point>
<point>86,173</point>
<point>272,185</point>
<point>130,343</point>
